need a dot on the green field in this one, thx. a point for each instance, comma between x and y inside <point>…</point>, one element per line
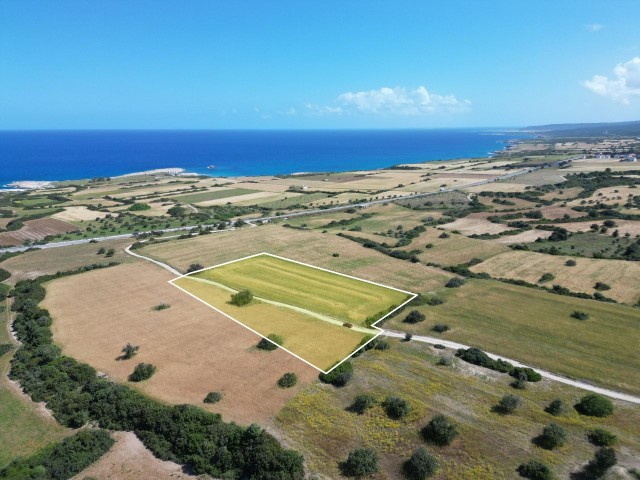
<point>536,327</point>
<point>24,430</point>
<point>213,195</point>
<point>327,293</point>
<point>306,306</point>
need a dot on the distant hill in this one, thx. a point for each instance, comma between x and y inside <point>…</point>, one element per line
<point>587,129</point>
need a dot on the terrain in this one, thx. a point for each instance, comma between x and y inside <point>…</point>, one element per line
<point>531,255</point>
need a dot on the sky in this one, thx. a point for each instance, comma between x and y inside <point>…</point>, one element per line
<point>156,64</point>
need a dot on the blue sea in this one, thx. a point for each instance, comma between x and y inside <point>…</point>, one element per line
<point>71,155</point>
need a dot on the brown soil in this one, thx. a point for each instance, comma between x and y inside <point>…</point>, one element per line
<point>35,230</point>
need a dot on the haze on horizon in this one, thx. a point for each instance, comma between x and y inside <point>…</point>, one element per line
<point>364,64</point>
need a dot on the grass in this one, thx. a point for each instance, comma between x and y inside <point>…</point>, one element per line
<point>294,200</point>
<point>324,292</point>
<point>454,250</point>
<point>587,244</point>
<point>320,343</point>
<point>490,446</point>
<point>24,430</point>
<point>536,327</point>
<point>212,195</point>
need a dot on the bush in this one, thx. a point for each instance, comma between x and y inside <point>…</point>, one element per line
<point>509,404</point>
<point>129,351</point>
<point>535,470</point>
<point>445,361</point>
<point>288,380</point>
<point>241,298</point>
<point>194,267</point>
<point>339,376</point>
<point>433,300</point>
<point>440,431</point>
<point>143,371</point>
<point>161,306</point>
<point>4,274</point>
<point>270,346</point>
<point>361,462</point>
<point>579,315</point>
<point>362,403</point>
<point>478,357</point>
<point>440,328</point>
<point>594,405</point>
<point>4,348</point>
<point>602,437</point>
<point>420,466</point>
<point>138,207</point>
<point>553,436</point>
<point>455,282</point>
<point>408,336</point>
<point>443,235</point>
<point>570,263</point>
<point>414,316</point>
<point>525,373</point>
<point>601,287</point>
<point>603,459</point>
<point>546,277</point>
<point>396,407</point>
<point>555,408</point>
<point>213,397</point>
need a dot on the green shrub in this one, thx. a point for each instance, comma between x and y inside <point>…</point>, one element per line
<point>381,344</point>
<point>603,459</point>
<point>138,207</point>
<point>414,316</point>
<point>396,407</point>
<point>4,274</point>
<point>535,470</point>
<point>455,282</point>
<point>478,357</point>
<point>288,380</point>
<point>361,462</point>
<point>440,431</point>
<point>509,404</point>
<point>601,287</point>
<point>129,351</point>
<point>570,263</point>
<point>161,306</point>
<point>553,436</point>
<point>420,466</point>
<point>594,405</point>
<point>433,300</point>
<point>4,348</point>
<point>546,277</point>
<point>194,267</point>
<point>580,315</point>
<point>339,376</point>
<point>241,298</point>
<point>445,361</point>
<point>143,371</point>
<point>555,408</point>
<point>602,437</point>
<point>362,403</point>
<point>270,346</point>
<point>440,328</point>
<point>527,374</point>
<point>213,397</point>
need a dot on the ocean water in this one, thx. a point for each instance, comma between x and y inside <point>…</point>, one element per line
<point>70,155</point>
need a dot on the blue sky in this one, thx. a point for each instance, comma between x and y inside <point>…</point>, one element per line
<point>325,64</point>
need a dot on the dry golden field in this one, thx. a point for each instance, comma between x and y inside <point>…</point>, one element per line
<point>195,349</point>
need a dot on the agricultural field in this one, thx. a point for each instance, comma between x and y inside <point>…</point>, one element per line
<point>36,230</point>
<point>306,307</point>
<point>537,328</point>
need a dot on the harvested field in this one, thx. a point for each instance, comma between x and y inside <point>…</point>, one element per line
<point>129,459</point>
<point>4,221</point>
<point>621,275</point>
<point>554,212</point>
<point>632,227</point>
<point>205,198</point>
<point>566,193</point>
<point>35,230</point>
<point>195,349</point>
<point>476,223</point>
<point>499,186</point>
<point>77,214</point>
<point>523,237</point>
<point>536,327</point>
<point>304,246</point>
<point>51,260</point>
<point>456,249</point>
<point>242,197</point>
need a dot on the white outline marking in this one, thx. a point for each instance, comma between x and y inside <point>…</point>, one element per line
<point>380,330</point>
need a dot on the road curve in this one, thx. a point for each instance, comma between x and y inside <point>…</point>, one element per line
<point>551,376</point>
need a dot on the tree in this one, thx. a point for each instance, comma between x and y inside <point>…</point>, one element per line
<point>414,316</point>
<point>553,436</point>
<point>177,211</point>
<point>362,403</point>
<point>361,462</point>
<point>601,286</point>
<point>594,405</point>
<point>535,470</point>
<point>138,207</point>
<point>213,397</point>
<point>570,263</point>
<point>194,267</point>
<point>455,282</point>
<point>129,351</point>
<point>440,431</point>
<point>396,407</point>
<point>143,371</point>
<point>440,328</point>
<point>241,298</point>
<point>101,251</point>
<point>603,459</point>
<point>602,437</point>
<point>555,408</point>
<point>509,403</point>
<point>579,315</point>
<point>288,380</point>
<point>420,466</point>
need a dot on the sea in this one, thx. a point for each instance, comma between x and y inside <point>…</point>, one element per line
<point>71,155</point>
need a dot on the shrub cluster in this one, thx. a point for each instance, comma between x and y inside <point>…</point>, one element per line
<point>143,371</point>
<point>477,357</point>
<point>241,298</point>
<point>361,462</point>
<point>213,397</point>
<point>535,470</point>
<point>602,437</point>
<point>183,433</point>
<point>440,431</point>
<point>339,376</point>
<point>421,465</point>
<point>509,404</point>
<point>288,380</point>
<point>414,316</point>
<point>594,405</point>
<point>455,282</point>
<point>396,407</point>
<point>362,403</point>
<point>270,346</point>
<point>553,436</point>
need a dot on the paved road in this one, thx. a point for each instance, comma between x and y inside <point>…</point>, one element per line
<point>253,221</point>
<point>551,376</point>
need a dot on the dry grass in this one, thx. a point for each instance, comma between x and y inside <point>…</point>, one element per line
<point>129,459</point>
<point>622,276</point>
<point>77,214</point>
<point>305,246</point>
<point>476,223</point>
<point>195,349</point>
<point>456,249</point>
<point>523,237</point>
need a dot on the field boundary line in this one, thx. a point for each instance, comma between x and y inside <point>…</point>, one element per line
<point>412,296</point>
